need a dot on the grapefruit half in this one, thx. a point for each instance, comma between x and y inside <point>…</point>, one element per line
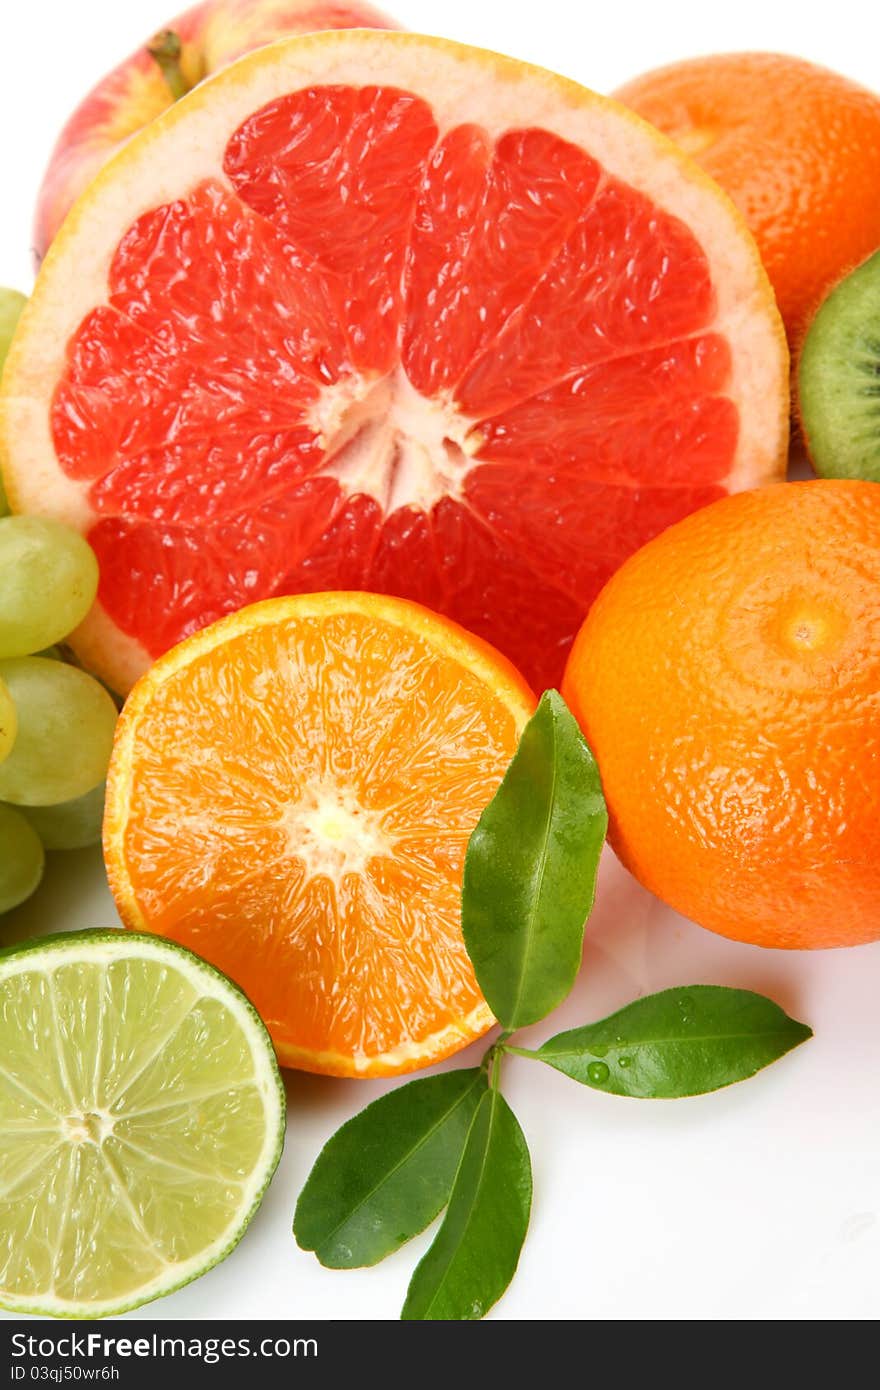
<point>378,311</point>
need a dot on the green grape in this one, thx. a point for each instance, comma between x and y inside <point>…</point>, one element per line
<point>21,859</point>
<point>8,721</point>
<point>48,581</point>
<point>70,824</point>
<point>11,304</point>
<point>65,732</point>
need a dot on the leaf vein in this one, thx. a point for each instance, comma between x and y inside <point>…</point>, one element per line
<point>399,1164</point>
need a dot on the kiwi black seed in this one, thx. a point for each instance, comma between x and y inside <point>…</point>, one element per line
<point>839,378</point>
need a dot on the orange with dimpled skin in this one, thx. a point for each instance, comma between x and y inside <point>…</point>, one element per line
<point>728,680</point>
<point>796,147</point>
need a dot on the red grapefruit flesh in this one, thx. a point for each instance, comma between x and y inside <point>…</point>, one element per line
<point>419,320</point>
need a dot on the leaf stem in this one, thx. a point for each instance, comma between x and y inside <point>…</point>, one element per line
<point>165,49</point>
<point>495,1074</point>
<point>491,1063</point>
<point>518,1051</point>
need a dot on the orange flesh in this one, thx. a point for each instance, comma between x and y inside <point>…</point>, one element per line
<point>295,804</point>
<point>477,373</point>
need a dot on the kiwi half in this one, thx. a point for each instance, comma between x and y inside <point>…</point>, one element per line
<point>839,378</point>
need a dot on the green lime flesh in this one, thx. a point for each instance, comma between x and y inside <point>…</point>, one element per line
<point>839,379</point>
<point>141,1119</point>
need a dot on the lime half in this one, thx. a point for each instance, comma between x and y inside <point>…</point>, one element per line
<point>141,1119</point>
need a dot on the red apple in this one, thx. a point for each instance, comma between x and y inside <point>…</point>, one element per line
<point>194,45</point>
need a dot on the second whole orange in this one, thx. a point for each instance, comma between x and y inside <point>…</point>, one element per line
<point>728,681</point>
<point>797,148</point>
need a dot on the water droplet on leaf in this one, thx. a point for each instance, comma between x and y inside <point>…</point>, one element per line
<point>598,1073</point>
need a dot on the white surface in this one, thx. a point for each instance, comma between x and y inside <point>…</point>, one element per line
<point>758,1202</point>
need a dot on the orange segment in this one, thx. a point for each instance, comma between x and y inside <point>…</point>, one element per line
<point>291,795</point>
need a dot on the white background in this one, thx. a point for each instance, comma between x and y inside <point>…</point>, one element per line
<point>757,1202</point>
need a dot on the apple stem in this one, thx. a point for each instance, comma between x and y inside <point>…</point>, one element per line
<point>165,50</point>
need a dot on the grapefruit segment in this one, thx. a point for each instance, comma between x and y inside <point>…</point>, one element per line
<point>488,224</point>
<point>666,402</point>
<point>366,275</point>
<point>626,278</point>
<point>338,169</point>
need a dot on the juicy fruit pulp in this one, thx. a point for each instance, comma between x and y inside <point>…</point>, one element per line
<point>373,345</point>
<point>839,379</point>
<point>727,682</point>
<point>339,443</point>
<point>292,793</point>
<point>141,1118</point>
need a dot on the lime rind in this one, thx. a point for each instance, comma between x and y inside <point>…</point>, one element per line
<point>839,379</point>
<point>199,982</point>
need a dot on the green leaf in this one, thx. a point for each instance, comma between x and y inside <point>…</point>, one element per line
<point>681,1042</point>
<point>387,1173</point>
<point>530,870</point>
<point>476,1251</point>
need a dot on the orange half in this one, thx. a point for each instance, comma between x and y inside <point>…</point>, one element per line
<point>291,795</point>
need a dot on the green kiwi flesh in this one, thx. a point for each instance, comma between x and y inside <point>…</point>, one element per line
<point>839,379</point>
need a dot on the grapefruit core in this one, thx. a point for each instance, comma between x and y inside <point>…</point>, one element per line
<point>378,311</point>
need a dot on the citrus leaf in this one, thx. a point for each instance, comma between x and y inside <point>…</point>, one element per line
<point>680,1042</point>
<point>530,869</point>
<point>476,1251</point>
<point>387,1173</point>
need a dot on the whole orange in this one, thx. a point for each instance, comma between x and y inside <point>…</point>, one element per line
<point>728,680</point>
<point>797,148</point>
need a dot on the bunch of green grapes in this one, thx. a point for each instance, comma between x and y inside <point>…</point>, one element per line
<point>56,722</point>
<point>12,303</point>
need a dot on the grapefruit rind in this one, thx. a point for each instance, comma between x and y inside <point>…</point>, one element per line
<point>186,146</point>
<point>470,652</point>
